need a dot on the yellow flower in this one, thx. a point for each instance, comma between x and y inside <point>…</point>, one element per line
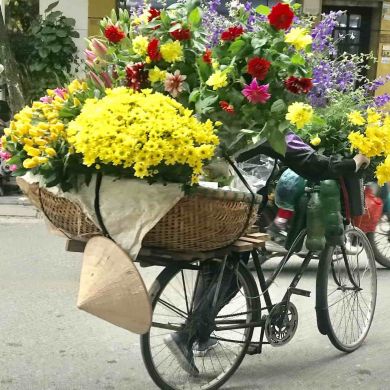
<point>356,118</point>
<point>148,60</point>
<point>299,38</point>
<point>76,102</point>
<point>29,163</point>
<point>373,117</point>
<point>33,152</point>
<point>383,172</point>
<point>75,86</point>
<point>214,64</point>
<point>315,141</point>
<point>299,114</point>
<point>217,80</point>
<point>140,45</point>
<point>172,51</point>
<point>157,75</point>
<point>50,152</point>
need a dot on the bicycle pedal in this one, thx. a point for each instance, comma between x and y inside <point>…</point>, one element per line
<point>298,291</point>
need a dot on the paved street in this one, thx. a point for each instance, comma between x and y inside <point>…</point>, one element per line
<point>47,343</point>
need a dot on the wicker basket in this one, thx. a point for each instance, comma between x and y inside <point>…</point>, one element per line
<point>206,220</point>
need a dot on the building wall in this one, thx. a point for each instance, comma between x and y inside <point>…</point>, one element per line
<point>76,9</point>
<point>97,9</point>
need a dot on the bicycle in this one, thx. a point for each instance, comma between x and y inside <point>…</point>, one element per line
<point>345,305</point>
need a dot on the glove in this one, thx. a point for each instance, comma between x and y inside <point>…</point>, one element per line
<point>361,161</point>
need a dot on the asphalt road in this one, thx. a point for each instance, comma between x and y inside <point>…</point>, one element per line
<point>47,343</point>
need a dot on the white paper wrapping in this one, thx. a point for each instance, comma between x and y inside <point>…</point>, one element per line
<point>130,208</point>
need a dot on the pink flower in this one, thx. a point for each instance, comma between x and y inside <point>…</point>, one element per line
<point>13,168</point>
<point>106,79</point>
<point>98,47</point>
<point>96,80</point>
<point>4,155</point>
<point>174,83</point>
<point>46,99</point>
<point>256,93</point>
<point>60,92</point>
<point>90,55</point>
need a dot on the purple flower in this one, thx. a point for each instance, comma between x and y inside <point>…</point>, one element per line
<point>256,93</point>
<point>377,83</point>
<point>60,92</point>
<point>46,99</point>
<point>382,100</point>
<point>323,32</point>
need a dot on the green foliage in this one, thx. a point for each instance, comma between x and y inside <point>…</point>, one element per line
<point>53,50</point>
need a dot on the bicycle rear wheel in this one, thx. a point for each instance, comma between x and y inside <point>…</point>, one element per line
<point>346,296</point>
<point>172,296</point>
<point>380,241</point>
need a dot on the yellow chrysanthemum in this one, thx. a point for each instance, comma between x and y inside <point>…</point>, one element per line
<point>140,45</point>
<point>356,118</point>
<point>172,51</point>
<point>373,117</point>
<point>299,114</point>
<point>157,75</point>
<point>299,38</point>
<point>148,129</point>
<point>76,86</point>
<point>217,80</point>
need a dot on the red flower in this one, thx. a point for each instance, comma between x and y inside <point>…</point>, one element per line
<point>281,16</point>
<point>153,14</point>
<point>153,50</point>
<point>258,67</point>
<point>114,34</point>
<point>136,76</point>
<point>207,56</point>
<point>232,33</point>
<point>183,34</point>
<point>226,107</point>
<point>298,85</point>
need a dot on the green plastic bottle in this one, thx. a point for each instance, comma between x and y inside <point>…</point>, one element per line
<point>331,208</point>
<point>315,240</point>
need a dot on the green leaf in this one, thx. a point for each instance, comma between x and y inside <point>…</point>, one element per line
<point>69,22</point>
<point>236,46</point>
<point>277,141</point>
<point>263,10</point>
<point>74,34</point>
<point>165,19</point>
<point>194,96</point>
<point>283,126</point>
<point>43,52</point>
<point>297,59</point>
<point>258,43</point>
<point>278,106</point>
<point>53,16</point>
<point>51,6</point>
<point>61,33</point>
<point>55,48</point>
<point>195,17</point>
<point>203,106</point>
<point>113,16</point>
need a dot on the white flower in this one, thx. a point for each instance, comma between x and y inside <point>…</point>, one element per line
<point>1,68</point>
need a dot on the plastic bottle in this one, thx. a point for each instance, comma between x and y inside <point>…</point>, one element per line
<point>315,227</point>
<point>331,208</point>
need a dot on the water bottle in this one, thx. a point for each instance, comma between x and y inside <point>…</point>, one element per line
<point>331,208</point>
<point>315,227</point>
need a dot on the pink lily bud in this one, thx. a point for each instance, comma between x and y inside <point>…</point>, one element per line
<point>98,47</point>
<point>96,80</point>
<point>90,63</point>
<point>13,167</point>
<point>91,56</point>
<point>106,79</point>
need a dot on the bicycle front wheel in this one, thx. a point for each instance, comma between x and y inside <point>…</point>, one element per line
<point>346,291</point>
<point>173,296</point>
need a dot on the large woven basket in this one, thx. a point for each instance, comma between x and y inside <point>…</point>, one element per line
<point>206,220</point>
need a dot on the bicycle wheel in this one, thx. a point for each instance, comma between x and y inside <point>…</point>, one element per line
<point>172,299</point>
<point>380,241</point>
<point>346,304</point>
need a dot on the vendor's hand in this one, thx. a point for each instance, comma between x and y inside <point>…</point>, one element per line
<point>361,161</point>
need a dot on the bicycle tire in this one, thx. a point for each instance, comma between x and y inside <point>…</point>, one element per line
<point>326,318</point>
<point>159,285</point>
<point>381,257</point>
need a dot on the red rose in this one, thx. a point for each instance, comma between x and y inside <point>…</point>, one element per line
<point>226,107</point>
<point>136,76</point>
<point>182,34</point>
<point>258,67</point>
<point>153,14</point>
<point>207,56</point>
<point>298,85</point>
<point>153,50</point>
<point>113,33</point>
<point>281,16</point>
<point>232,33</point>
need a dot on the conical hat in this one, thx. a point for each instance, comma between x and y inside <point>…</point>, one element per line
<point>111,287</point>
